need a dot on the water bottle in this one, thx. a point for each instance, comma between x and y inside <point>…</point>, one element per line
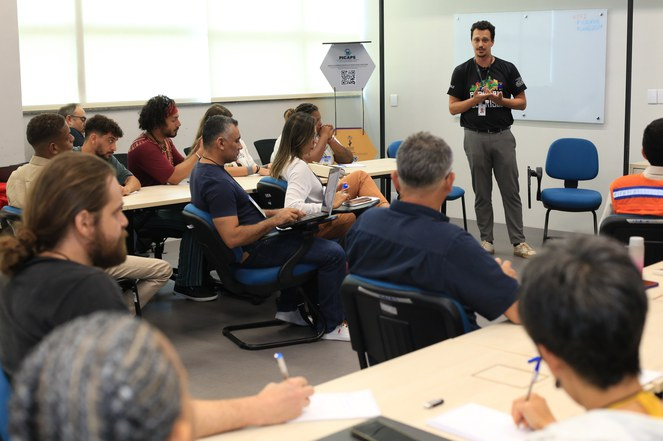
<point>636,249</point>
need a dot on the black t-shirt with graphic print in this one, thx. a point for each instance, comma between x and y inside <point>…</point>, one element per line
<point>500,76</point>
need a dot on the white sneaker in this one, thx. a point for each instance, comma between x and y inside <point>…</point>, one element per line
<point>340,333</point>
<point>490,249</point>
<point>523,250</point>
<point>292,317</point>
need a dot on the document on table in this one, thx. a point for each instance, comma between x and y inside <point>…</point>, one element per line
<point>353,165</point>
<point>475,422</point>
<point>340,406</point>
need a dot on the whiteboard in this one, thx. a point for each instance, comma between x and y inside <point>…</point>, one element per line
<point>560,55</point>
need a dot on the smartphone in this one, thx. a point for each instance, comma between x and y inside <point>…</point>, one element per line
<point>358,201</point>
<point>375,430</point>
<point>649,284</point>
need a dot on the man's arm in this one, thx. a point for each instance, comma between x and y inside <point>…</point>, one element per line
<point>130,185</point>
<point>456,105</point>
<point>183,169</point>
<point>518,102</point>
<point>235,235</point>
<point>275,404</point>
<point>512,311</point>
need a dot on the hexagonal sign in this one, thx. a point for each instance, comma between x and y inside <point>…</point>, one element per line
<point>347,66</point>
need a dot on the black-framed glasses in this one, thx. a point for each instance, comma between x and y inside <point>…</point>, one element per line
<point>82,118</point>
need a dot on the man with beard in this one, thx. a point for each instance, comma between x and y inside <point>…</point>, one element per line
<point>154,160</point>
<point>53,258</point>
<point>73,221</point>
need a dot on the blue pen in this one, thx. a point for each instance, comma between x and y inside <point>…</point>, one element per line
<point>280,361</point>
<point>535,376</point>
<point>345,186</point>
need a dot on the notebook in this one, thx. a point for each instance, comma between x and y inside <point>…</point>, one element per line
<point>327,201</point>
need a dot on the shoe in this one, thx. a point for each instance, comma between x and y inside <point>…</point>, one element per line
<point>340,333</point>
<point>196,293</point>
<point>488,246</point>
<point>292,317</point>
<point>523,250</point>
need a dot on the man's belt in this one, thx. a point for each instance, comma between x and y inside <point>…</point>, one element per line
<point>487,130</point>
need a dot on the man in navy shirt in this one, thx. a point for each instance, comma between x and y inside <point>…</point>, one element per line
<point>240,223</point>
<point>412,243</point>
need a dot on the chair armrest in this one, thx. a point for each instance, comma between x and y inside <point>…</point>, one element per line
<point>538,173</point>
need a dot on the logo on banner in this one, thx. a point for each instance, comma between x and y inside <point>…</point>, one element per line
<point>348,55</point>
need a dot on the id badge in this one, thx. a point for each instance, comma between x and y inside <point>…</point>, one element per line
<point>482,109</point>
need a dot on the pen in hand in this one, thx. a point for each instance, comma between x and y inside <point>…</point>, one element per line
<point>280,361</point>
<point>535,375</point>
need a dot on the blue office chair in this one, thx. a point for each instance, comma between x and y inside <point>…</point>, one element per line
<point>572,160</point>
<point>388,320</point>
<point>5,396</point>
<point>10,216</point>
<point>456,192</point>
<point>271,193</point>
<point>254,283</point>
<point>623,226</point>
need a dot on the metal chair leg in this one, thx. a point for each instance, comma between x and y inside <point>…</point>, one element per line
<point>545,227</point>
<point>462,201</point>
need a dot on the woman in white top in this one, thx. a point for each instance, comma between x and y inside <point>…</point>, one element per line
<point>244,165</point>
<point>305,191</point>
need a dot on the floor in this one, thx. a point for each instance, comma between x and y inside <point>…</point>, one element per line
<point>219,369</point>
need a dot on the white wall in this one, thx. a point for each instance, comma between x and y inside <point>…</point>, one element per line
<point>419,62</point>
<point>11,124</point>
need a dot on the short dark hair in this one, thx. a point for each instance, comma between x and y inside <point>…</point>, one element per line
<point>101,125</point>
<point>214,127</point>
<point>154,112</point>
<point>652,142</point>
<point>583,299</point>
<point>68,109</point>
<point>120,361</point>
<point>44,128</point>
<point>483,25</point>
<point>423,159</point>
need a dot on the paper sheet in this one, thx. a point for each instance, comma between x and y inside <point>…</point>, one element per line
<point>478,423</point>
<point>339,406</point>
<point>353,165</point>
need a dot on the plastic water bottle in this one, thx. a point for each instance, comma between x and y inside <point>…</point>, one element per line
<point>636,249</point>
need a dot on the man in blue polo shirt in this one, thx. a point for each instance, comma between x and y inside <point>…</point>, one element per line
<point>412,242</point>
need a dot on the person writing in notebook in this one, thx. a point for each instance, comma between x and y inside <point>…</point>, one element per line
<point>240,223</point>
<point>583,304</point>
<point>305,191</point>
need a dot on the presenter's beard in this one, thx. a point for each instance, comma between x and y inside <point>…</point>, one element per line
<point>106,253</point>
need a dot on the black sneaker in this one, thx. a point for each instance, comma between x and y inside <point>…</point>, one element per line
<point>196,293</point>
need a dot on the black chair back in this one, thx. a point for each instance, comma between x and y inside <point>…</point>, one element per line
<point>122,158</point>
<point>265,147</point>
<point>387,320</point>
<point>270,193</point>
<point>623,226</point>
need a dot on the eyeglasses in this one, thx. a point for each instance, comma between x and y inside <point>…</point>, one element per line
<point>82,118</point>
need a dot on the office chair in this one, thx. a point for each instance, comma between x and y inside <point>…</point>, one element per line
<point>388,320</point>
<point>5,396</point>
<point>9,218</point>
<point>456,192</point>
<point>122,158</point>
<point>572,160</point>
<point>265,147</point>
<point>254,283</point>
<point>623,226</point>
<point>271,192</point>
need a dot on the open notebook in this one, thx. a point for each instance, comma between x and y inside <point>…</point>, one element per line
<point>475,422</point>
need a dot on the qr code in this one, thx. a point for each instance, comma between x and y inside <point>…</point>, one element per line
<point>348,77</point>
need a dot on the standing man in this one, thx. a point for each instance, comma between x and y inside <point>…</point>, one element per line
<point>75,117</point>
<point>483,90</point>
<point>154,160</point>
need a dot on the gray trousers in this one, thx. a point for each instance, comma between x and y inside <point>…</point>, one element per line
<point>488,153</point>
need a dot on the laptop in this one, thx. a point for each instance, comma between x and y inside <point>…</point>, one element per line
<point>327,201</point>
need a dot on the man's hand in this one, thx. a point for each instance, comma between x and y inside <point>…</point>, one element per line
<point>533,413</point>
<point>125,191</point>
<point>263,171</point>
<point>286,215</point>
<point>497,98</point>
<point>507,268</point>
<point>283,401</point>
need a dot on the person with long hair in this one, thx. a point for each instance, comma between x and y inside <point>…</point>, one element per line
<point>305,191</point>
<point>244,165</point>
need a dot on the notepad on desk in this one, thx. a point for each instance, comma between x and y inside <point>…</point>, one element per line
<point>339,406</point>
<point>475,422</point>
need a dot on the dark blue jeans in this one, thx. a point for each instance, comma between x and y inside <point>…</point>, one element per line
<point>328,256</point>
